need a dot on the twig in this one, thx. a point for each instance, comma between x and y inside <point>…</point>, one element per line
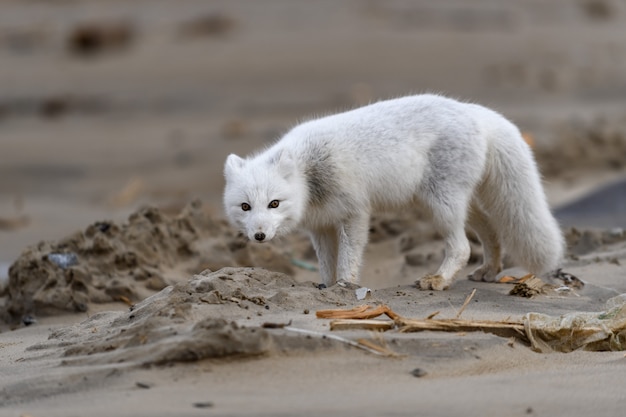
<point>467,300</point>
<point>269,325</point>
<point>432,315</point>
<point>384,350</point>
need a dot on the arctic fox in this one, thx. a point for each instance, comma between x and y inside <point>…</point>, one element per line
<point>465,163</point>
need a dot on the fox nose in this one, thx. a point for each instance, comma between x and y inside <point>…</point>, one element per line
<point>259,236</point>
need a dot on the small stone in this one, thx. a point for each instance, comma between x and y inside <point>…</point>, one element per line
<point>418,372</point>
<point>321,286</point>
<point>143,385</point>
<point>203,404</point>
<point>306,311</point>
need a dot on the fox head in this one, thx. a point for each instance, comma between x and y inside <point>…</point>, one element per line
<point>262,197</point>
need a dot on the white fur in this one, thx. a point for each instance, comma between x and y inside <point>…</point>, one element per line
<point>464,162</point>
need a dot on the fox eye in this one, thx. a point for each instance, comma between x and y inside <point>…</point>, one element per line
<point>245,206</point>
<point>273,204</point>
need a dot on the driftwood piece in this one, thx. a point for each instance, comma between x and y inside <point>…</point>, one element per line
<point>357,324</point>
<point>359,312</point>
<point>499,328</point>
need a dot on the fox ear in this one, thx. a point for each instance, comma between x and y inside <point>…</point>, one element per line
<point>233,164</point>
<point>285,163</point>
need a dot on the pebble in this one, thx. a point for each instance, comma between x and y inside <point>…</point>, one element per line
<point>28,320</point>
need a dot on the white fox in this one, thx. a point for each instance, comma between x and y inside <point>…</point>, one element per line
<point>465,163</point>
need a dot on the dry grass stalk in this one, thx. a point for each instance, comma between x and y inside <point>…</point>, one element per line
<point>336,338</point>
<point>432,315</point>
<point>467,301</point>
<point>383,350</point>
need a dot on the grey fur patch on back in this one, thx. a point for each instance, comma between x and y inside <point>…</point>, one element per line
<point>449,175</point>
<point>320,173</point>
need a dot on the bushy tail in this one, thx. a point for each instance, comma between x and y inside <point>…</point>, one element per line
<point>513,197</point>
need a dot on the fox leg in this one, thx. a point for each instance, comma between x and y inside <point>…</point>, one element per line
<point>457,253</point>
<point>325,244</point>
<point>492,261</point>
<point>450,222</point>
<point>352,236</point>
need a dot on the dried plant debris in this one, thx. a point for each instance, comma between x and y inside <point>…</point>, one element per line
<point>593,331</point>
<point>529,287</point>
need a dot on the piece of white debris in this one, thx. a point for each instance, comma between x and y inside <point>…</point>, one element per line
<point>362,293</point>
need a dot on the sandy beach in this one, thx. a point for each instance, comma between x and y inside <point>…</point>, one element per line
<point>123,290</point>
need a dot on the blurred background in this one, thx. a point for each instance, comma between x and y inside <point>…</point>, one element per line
<point>107,105</point>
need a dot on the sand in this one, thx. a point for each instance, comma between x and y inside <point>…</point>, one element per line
<point>125,292</point>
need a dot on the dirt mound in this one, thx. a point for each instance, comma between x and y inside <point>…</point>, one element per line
<point>579,145</point>
<point>109,262</point>
<point>581,242</point>
<point>197,319</point>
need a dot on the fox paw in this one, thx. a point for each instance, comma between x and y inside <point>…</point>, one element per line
<point>433,282</point>
<point>483,273</point>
